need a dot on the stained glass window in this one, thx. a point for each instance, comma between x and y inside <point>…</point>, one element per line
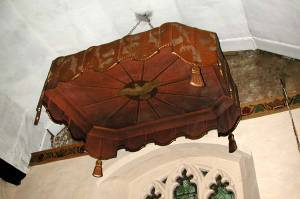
<point>153,195</point>
<point>220,190</point>
<point>186,186</point>
<point>186,189</point>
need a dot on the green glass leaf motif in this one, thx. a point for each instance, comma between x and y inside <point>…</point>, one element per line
<point>186,189</point>
<point>220,191</point>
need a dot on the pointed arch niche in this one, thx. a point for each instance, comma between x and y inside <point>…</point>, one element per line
<point>190,170</point>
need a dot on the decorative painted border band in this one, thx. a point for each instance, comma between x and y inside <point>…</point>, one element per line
<point>250,110</point>
<point>54,154</point>
<point>268,106</point>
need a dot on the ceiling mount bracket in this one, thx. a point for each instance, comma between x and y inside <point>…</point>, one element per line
<point>142,17</point>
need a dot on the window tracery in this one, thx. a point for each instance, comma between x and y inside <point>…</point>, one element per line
<point>153,195</point>
<point>220,190</point>
<point>193,182</point>
<point>186,189</point>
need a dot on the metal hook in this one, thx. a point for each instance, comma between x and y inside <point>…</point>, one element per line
<point>142,17</point>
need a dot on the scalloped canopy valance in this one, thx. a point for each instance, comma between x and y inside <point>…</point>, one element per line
<point>153,86</point>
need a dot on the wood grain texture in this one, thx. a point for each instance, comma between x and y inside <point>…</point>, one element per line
<point>145,93</point>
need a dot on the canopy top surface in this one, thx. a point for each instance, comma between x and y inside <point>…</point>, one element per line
<point>150,87</point>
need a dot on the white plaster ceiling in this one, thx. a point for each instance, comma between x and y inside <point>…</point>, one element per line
<point>34,32</point>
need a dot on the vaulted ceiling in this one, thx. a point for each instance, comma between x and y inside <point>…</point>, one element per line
<point>34,32</point>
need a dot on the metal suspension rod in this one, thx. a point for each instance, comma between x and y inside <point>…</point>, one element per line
<point>290,113</point>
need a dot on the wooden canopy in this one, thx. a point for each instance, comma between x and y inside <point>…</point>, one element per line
<point>154,86</point>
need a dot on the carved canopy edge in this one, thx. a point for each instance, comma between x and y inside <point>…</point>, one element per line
<point>253,109</point>
<point>194,46</point>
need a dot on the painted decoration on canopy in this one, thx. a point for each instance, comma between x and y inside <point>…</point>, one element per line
<point>154,86</point>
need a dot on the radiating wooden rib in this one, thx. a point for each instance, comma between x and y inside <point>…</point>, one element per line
<point>171,82</point>
<point>143,70</point>
<point>116,111</point>
<point>94,87</point>
<point>138,111</point>
<point>181,95</point>
<point>109,76</point>
<point>100,102</point>
<point>163,70</point>
<point>153,109</point>
<point>127,73</point>
<point>182,110</point>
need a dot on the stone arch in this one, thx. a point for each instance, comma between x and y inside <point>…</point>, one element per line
<point>135,178</point>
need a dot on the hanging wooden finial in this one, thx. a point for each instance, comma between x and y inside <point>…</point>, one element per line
<point>98,169</point>
<point>232,143</point>
<point>196,79</point>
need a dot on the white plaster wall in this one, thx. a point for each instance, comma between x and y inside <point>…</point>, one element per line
<point>7,190</point>
<point>269,139</point>
<point>24,59</point>
<point>18,137</point>
<point>280,17</point>
<point>275,25</point>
